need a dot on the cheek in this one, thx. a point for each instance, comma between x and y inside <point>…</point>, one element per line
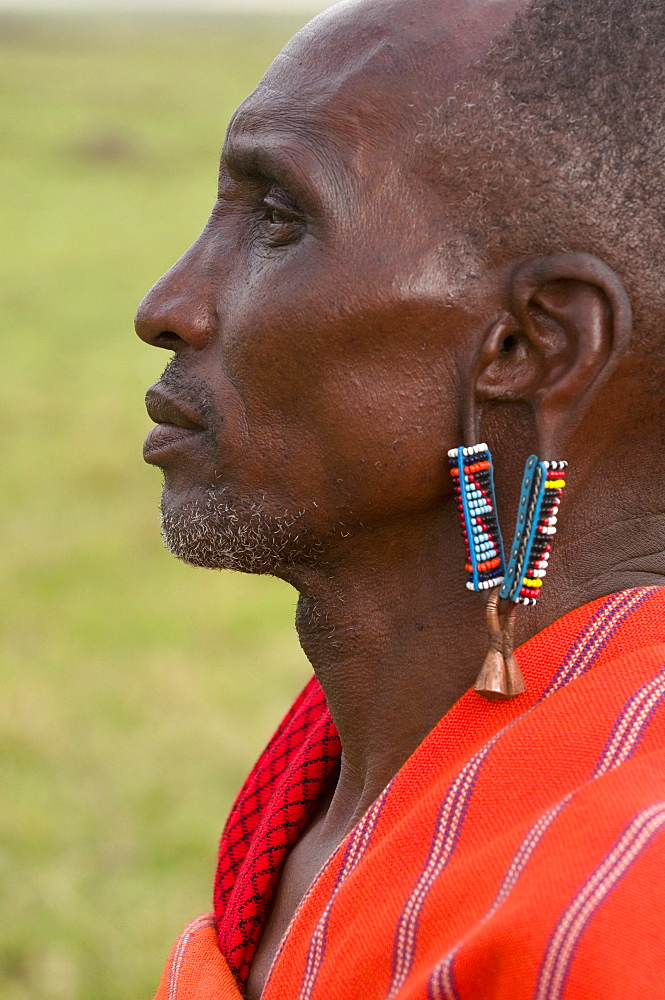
<point>386,431</point>
<point>348,395</point>
<point>369,431</point>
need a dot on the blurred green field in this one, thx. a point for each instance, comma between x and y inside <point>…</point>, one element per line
<point>134,692</point>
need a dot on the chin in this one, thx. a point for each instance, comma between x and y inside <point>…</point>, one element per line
<point>219,531</point>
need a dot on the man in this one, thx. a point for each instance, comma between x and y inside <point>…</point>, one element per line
<point>434,220</point>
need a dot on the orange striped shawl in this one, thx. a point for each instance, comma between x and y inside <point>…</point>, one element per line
<point>517,854</point>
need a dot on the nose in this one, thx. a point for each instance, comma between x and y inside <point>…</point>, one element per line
<point>179,310</point>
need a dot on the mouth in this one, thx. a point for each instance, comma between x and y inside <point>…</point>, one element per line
<point>176,425</point>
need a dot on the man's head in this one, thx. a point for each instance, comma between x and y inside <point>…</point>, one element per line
<point>398,252</point>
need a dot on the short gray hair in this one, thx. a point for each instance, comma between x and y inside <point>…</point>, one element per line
<point>560,134</point>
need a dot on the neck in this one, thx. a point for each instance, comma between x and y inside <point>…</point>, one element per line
<point>395,638</point>
<point>393,646</point>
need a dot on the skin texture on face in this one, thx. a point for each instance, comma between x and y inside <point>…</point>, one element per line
<point>335,331</point>
<point>318,320</point>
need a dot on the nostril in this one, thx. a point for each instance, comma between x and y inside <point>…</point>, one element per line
<point>168,339</point>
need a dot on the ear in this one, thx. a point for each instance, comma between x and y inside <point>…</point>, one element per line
<point>569,324</point>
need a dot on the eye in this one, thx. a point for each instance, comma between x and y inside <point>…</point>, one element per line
<point>277,215</point>
<point>284,220</point>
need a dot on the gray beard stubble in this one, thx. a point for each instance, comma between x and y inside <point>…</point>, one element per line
<point>217,533</point>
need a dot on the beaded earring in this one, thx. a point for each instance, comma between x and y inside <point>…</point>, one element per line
<point>542,488</point>
<point>473,483</point>
<point>521,582</point>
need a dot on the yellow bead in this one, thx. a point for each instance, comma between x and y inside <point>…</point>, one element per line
<point>528,582</point>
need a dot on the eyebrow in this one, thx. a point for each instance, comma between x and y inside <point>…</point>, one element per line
<point>250,158</point>
<point>288,148</point>
<point>293,167</point>
<point>262,155</point>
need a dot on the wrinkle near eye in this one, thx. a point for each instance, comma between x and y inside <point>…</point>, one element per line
<point>278,158</point>
<point>279,200</point>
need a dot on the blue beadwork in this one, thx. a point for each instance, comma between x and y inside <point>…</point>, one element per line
<point>542,486</point>
<point>473,478</point>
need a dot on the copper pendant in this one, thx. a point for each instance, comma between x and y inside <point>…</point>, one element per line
<point>500,676</point>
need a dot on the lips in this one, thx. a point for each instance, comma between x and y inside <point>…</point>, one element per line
<point>163,409</point>
<point>176,424</point>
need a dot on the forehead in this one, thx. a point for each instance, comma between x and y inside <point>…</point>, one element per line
<point>361,75</point>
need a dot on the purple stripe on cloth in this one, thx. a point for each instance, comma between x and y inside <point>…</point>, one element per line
<point>586,649</point>
<point>442,984</point>
<point>632,723</point>
<point>357,846</point>
<point>180,950</point>
<point>637,836</point>
<point>580,657</point>
<point>626,733</point>
<point>448,826</point>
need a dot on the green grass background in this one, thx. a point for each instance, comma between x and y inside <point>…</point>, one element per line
<point>135,692</point>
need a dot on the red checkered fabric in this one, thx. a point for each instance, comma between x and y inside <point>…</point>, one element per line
<point>274,805</point>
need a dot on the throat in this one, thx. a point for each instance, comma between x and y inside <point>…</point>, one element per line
<point>390,667</point>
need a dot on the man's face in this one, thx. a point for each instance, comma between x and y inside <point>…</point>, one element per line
<point>317,322</point>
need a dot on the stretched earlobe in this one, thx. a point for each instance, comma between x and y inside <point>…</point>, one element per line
<point>568,325</point>
<point>502,332</point>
